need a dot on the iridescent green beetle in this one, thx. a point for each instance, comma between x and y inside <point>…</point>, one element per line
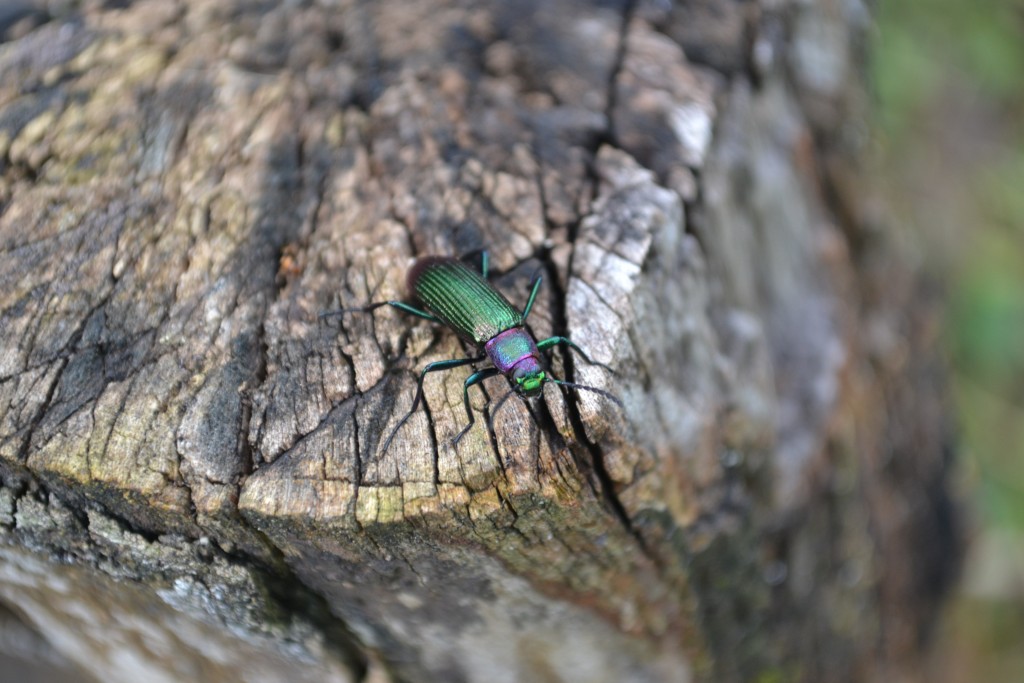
<point>460,298</point>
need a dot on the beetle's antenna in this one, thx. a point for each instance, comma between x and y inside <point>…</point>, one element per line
<point>497,407</point>
<point>608,395</point>
<point>405,418</point>
<point>493,414</point>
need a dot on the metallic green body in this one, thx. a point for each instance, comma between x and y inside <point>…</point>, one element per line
<point>462,299</point>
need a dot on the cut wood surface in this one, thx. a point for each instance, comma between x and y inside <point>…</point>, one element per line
<point>194,484</point>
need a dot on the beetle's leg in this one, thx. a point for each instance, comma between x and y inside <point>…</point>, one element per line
<point>537,279</point>
<point>485,260</point>
<point>430,367</point>
<point>552,341</point>
<point>400,305</point>
<point>475,378</point>
<point>497,408</point>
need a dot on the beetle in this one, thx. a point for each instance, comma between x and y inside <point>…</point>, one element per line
<point>460,298</point>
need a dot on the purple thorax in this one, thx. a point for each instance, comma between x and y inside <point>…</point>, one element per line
<point>511,348</point>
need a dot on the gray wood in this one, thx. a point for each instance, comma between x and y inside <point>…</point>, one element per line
<point>193,486</point>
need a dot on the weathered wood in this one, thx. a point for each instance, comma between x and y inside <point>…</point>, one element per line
<point>186,185</point>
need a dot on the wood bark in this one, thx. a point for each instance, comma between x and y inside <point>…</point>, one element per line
<point>194,485</point>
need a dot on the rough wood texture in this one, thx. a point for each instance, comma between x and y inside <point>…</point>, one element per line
<point>193,482</point>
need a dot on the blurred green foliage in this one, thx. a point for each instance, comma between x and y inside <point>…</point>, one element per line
<point>923,41</point>
<point>949,80</point>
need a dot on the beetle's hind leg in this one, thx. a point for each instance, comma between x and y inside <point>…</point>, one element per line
<point>369,308</point>
<point>538,278</point>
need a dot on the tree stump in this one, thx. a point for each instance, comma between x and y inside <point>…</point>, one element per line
<point>194,484</point>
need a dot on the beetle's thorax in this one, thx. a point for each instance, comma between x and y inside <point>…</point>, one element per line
<point>515,355</point>
<point>510,348</point>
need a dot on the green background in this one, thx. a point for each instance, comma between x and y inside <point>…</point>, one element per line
<point>948,77</point>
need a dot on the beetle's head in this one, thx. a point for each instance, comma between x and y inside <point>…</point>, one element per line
<point>528,378</point>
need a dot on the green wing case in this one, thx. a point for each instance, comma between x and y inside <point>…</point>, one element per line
<point>462,299</point>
